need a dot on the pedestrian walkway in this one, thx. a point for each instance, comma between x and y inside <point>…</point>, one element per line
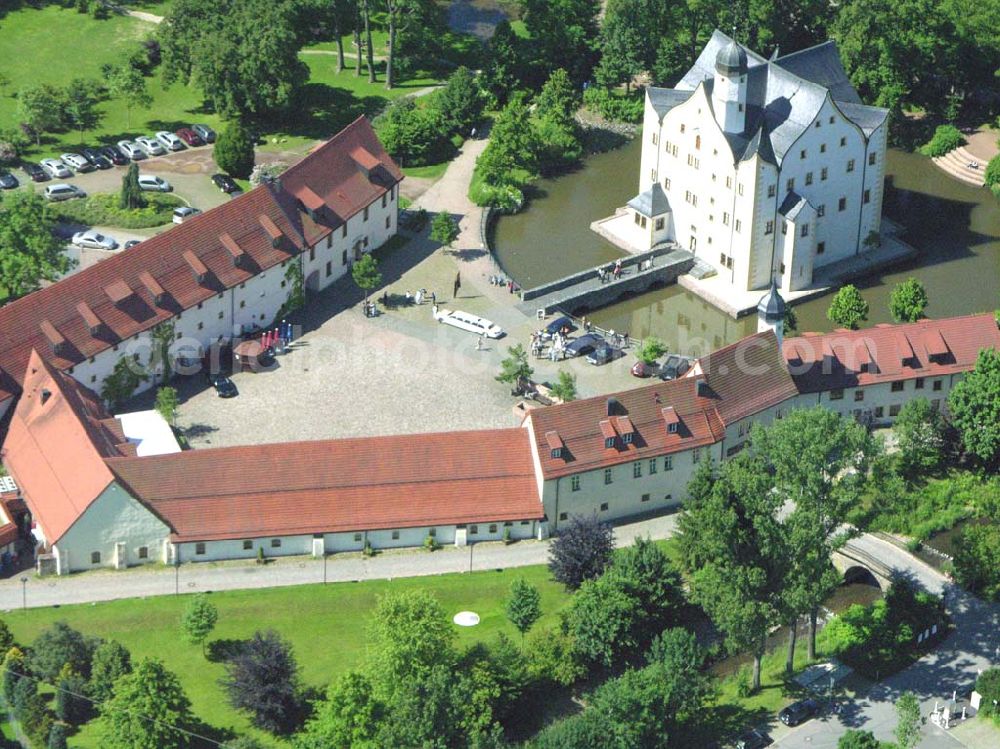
<point>348,567</point>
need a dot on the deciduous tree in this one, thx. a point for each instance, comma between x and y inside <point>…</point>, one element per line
<point>444,229</point>
<point>166,403</point>
<point>651,349</point>
<point>564,387</point>
<point>111,661</point>
<point>199,619</point>
<point>409,633</point>
<point>80,105</point>
<point>30,252</point>
<point>262,679</point>
<point>366,274</point>
<point>581,551</point>
<point>59,645</point>
<point>908,301</point>
<point>974,404</point>
<point>127,83</point>
<point>502,72</point>
<point>460,101</point>
<point>514,369</point>
<point>234,150</point>
<point>919,430</point>
<point>146,709</point>
<point>858,739</point>
<point>977,560</point>
<point>349,716</point>
<point>39,107</point>
<point>907,731</point>
<point>848,307</point>
<point>523,606</point>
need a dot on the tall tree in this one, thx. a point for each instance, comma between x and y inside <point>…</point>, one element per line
<point>581,551</point>
<point>147,709</point>
<point>111,661</point>
<point>907,731</point>
<point>131,198</point>
<point>166,403</point>
<point>523,606</point>
<point>127,83</point>
<point>737,554</point>
<point>366,274</point>
<point>820,463</point>
<point>30,252</point>
<point>262,679</point>
<point>624,43</point>
<point>234,150</point>
<point>974,404</point>
<point>80,105</point>
<point>460,101</point>
<point>515,370</point>
<point>564,388</point>
<point>444,229</point>
<point>39,107</point>
<point>349,715</point>
<point>848,307</point>
<point>919,431</point>
<point>59,645</point>
<point>908,301</point>
<point>369,52</point>
<point>563,34</point>
<point>503,70</point>
<point>199,619</point>
<point>409,633</point>
<point>510,155</point>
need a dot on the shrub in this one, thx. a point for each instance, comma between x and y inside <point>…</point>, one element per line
<point>988,685</point>
<point>414,134</point>
<point>505,198</point>
<point>431,543</point>
<point>977,560</point>
<point>992,175</point>
<point>613,105</point>
<point>99,10</point>
<point>103,209</point>
<point>744,682</point>
<point>233,150</point>
<point>946,138</point>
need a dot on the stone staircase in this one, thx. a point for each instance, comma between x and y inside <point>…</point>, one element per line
<point>701,269</point>
<point>956,163</point>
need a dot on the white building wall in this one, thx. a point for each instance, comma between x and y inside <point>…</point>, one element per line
<point>113,518</point>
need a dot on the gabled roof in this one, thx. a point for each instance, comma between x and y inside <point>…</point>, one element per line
<point>58,438</point>
<point>926,348</point>
<point>866,117</point>
<point>821,64</point>
<point>327,486</point>
<point>345,174</point>
<point>665,99</point>
<point>652,202</point>
<point>760,145</point>
<point>792,205</point>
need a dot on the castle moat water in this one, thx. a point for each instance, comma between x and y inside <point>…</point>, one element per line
<point>955,228</point>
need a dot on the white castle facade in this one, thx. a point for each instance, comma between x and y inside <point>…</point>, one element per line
<point>764,169</point>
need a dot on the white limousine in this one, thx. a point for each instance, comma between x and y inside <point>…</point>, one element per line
<point>473,324</point>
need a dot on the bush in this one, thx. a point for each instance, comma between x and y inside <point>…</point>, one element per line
<point>505,198</point>
<point>431,543</point>
<point>744,682</point>
<point>614,105</point>
<point>977,560</point>
<point>233,150</point>
<point>988,685</point>
<point>414,134</point>
<point>922,511</point>
<point>104,209</point>
<point>553,657</point>
<point>992,175</point>
<point>99,10</point>
<point>946,138</point>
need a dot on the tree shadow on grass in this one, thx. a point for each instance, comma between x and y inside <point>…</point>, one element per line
<point>225,649</point>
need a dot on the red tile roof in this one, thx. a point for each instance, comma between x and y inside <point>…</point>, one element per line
<point>56,445</point>
<point>347,173</point>
<point>742,379</point>
<point>135,289</point>
<point>338,485</point>
<point>927,348</point>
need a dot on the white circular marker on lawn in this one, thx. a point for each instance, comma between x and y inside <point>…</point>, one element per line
<point>466,619</point>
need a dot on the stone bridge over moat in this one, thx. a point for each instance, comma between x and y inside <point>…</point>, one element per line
<point>855,562</point>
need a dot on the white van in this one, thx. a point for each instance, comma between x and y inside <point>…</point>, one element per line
<point>62,191</point>
<point>471,323</point>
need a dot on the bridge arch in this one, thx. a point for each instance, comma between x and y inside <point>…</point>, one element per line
<point>860,574</point>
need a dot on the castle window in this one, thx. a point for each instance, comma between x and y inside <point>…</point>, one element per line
<point>739,225</point>
<point>781,269</point>
<point>837,394</point>
<point>831,119</point>
<point>802,154</point>
<point>729,260</point>
<point>850,165</point>
<point>655,138</point>
<point>652,466</point>
<point>722,258</point>
<point>822,147</point>
<point>668,463</point>
<point>697,142</point>
<point>790,185</point>
<point>823,173</point>
<point>637,470</point>
<point>805,230</point>
<point>818,123</point>
<point>936,386</point>
<point>771,190</point>
<point>666,183</point>
<point>820,248</point>
<point>821,211</point>
<point>143,552</point>
<point>769,227</point>
<point>95,557</point>
<point>725,218</point>
<point>897,386</point>
<point>248,544</point>
<point>682,127</point>
<point>607,476</point>
<point>740,105</point>
<point>659,224</point>
<point>843,142</point>
<point>871,159</point>
<point>696,455</point>
<point>809,178</point>
<point>784,227</point>
<point>395,535</point>
<point>574,483</point>
<point>918,383</point>
<point>729,183</point>
<point>867,197</point>
<point>604,506</point>
<point>652,175</point>
<point>894,411</point>
<point>842,204</point>
<point>739,189</point>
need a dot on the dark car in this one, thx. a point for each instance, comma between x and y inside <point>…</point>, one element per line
<point>799,712</point>
<point>206,133</point>
<point>583,345</point>
<point>560,324</point>
<point>224,387</point>
<point>190,137</point>
<point>8,181</point>
<point>131,243</point>
<point>96,158</point>
<point>603,354</point>
<point>114,155</point>
<point>225,183</point>
<point>753,739</point>
<point>674,367</point>
<point>36,173</point>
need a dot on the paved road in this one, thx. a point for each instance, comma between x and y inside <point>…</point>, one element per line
<point>953,666</point>
<point>193,577</point>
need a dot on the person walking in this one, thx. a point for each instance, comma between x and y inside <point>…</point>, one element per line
<point>479,342</point>
<point>434,299</point>
<point>457,285</point>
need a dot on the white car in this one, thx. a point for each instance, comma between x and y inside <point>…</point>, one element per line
<point>151,146</point>
<point>62,191</point>
<point>473,324</point>
<point>169,140</point>
<point>152,183</point>
<point>94,240</point>
<point>183,213</point>
<point>131,150</point>
<point>55,168</point>
<point>78,162</point>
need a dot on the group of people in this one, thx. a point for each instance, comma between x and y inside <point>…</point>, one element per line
<point>557,347</point>
<point>612,272</point>
<point>501,281</point>
<point>409,298</point>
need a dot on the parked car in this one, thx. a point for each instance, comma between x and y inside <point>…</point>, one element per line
<point>190,137</point>
<point>78,162</point>
<point>753,739</point>
<point>94,240</point>
<point>55,168</point>
<point>131,150</point>
<point>95,157</point>
<point>224,387</point>
<point>152,183</point>
<point>170,141</point>
<point>674,367</point>
<point>604,353</point>
<point>564,324</point>
<point>62,191</point>
<point>641,369</point>
<point>114,155</point>
<point>183,213</point>
<point>225,183</point>
<point>8,181</point>
<point>584,344</point>
<point>206,133</point>
<point>150,146</point>
<point>35,172</point>
<point>799,712</point>
<point>131,243</point>
<point>471,323</point>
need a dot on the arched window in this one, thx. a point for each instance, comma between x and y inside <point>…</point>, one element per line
<point>697,142</point>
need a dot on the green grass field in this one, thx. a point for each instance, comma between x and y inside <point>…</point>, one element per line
<point>325,624</point>
<point>74,45</point>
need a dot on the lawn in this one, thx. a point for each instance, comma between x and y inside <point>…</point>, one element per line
<point>330,100</point>
<point>325,624</point>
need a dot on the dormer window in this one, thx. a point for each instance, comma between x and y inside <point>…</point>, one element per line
<point>672,428</point>
<point>627,438</point>
<point>609,442</point>
<point>555,443</point>
<point>556,452</point>
<point>609,433</point>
